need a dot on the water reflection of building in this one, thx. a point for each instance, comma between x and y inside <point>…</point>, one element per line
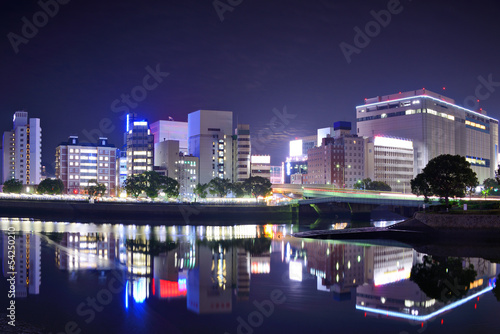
<point>82,251</point>
<point>338,267</point>
<point>389,292</point>
<point>388,264</point>
<point>209,285</point>
<point>170,271</point>
<point>27,263</point>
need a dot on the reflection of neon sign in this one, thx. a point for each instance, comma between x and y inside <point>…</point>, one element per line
<point>423,317</point>
<point>170,289</point>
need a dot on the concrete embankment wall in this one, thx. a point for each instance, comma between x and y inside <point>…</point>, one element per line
<point>458,221</point>
<point>137,212</point>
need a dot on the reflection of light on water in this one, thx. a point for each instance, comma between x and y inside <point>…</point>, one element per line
<point>423,317</point>
<point>295,271</point>
<point>385,223</point>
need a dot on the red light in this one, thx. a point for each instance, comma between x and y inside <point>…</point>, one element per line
<point>423,88</point>
<point>153,282</point>
<point>444,88</point>
<point>399,92</point>
<point>478,100</point>
<point>441,321</point>
<point>75,191</point>
<point>422,325</point>
<point>365,314</point>
<point>478,297</point>
<point>475,306</point>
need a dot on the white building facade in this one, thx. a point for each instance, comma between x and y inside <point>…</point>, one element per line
<point>436,125</point>
<point>77,164</point>
<point>211,140</point>
<point>22,150</point>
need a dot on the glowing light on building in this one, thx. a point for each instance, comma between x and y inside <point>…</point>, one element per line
<point>393,142</point>
<point>296,148</point>
<point>260,159</point>
<point>141,123</point>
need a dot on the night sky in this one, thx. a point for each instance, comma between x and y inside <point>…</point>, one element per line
<point>263,56</point>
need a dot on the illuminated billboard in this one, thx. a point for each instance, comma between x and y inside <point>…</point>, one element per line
<point>296,148</point>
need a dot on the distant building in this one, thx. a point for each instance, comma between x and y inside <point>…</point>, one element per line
<point>322,163</point>
<point>177,165</point>
<point>171,130</point>
<point>242,148</point>
<point>261,166</point>
<point>22,150</point>
<point>210,139</point>
<point>121,168</point>
<point>78,163</point>
<point>277,176</point>
<point>295,165</point>
<point>390,160</point>
<point>436,125</point>
<point>140,147</point>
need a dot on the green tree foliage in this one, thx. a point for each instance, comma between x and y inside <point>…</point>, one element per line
<point>50,186</point>
<point>368,184</point>
<point>134,185</point>
<point>12,186</point>
<point>420,186</point>
<point>170,187</point>
<point>490,187</point>
<point>443,279</point>
<point>448,176</point>
<point>219,187</point>
<point>151,183</point>
<point>257,186</point>
<point>201,190</point>
<point>95,188</point>
<point>238,189</point>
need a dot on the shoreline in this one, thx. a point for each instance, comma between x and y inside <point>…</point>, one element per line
<point>180,213</point>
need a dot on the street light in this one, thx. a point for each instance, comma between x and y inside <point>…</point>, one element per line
<point>364,184</point>
<point>343,173</point>
<point>404,186</point>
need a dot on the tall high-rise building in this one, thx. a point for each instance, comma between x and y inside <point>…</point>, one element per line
<point>436,125</point>
<point>171,130</point>
<point>210,139</point>
<point>243,149</point>
<point>277,176</point>
<point>22,150</point>
<point>140,147</point>
<point>78,163</point>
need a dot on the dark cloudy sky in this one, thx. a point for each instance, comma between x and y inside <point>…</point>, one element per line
<point>264,55</point>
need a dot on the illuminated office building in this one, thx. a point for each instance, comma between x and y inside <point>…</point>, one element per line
<point>210,139</point>
<point>261,166</point>
<point>22,150</point>
<point>140,147</point>
<point>78,163</point>
<point>436,125</point>
<point>277,176</point>
<point>390,160</point>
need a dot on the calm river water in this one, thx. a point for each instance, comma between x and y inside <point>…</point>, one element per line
<point>113,278</point>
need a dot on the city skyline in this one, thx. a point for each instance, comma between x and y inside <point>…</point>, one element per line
<point>71,73</point>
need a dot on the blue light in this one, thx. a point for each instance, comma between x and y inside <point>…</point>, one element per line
<point>128,122</point>
<point>126,290</point>
<point>423,317</point>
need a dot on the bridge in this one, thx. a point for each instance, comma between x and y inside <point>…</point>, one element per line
<point>327,200</point>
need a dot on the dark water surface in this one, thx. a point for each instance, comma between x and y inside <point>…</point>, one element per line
<point>86,278</point>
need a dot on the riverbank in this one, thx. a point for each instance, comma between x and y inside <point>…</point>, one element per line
<point>424,228</point>
<point>137,213</point>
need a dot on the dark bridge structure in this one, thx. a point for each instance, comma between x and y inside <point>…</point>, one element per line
<point>331,202</point>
